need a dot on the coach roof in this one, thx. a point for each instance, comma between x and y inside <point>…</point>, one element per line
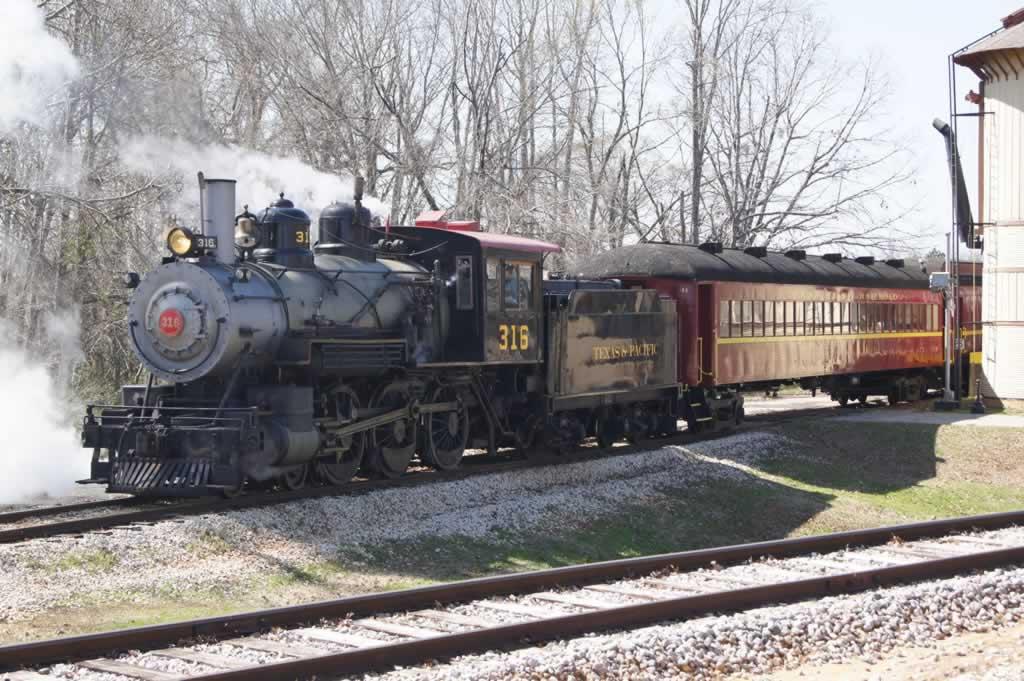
<point>694,263</point>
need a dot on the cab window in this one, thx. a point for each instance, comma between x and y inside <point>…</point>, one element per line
<point>492,283</point>
<point>516,285</point>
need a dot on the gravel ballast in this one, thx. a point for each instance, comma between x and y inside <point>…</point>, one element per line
<point>229,550</point>
<point>836,629</point>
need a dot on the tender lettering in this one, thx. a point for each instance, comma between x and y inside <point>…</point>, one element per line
<point>634,350</point>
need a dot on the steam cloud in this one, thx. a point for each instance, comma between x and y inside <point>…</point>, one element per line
<point>261,177</point>
<point>41,454</point>
<point>33,64</point>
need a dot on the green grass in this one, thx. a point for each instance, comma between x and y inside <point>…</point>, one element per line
<point>717,512</point>
<point>100,560</point>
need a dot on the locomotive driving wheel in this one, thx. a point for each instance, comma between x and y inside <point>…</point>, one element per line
<point>393,444</point>
<point>446,432</point>
<point>342,459</point>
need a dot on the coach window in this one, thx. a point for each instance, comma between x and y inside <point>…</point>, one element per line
<point>769,318</point>
<point>723,319</point>
<point>854,318</point>
<point>748,318</point>
<point>758,318</point>
<point>780,318</point>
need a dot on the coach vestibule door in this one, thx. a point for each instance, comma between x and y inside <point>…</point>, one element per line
<point>707,332</point>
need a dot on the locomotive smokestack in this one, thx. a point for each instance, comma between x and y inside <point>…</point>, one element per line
<point>217,204</point>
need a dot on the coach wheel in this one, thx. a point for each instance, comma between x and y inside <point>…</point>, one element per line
<point>738,415</point>
<point>894,397</point>
<point>342,458</point>
<point>446,432</point>
<point>393,443</point>
<point>295,478</point>
<point>863,399</point>
<point>915,390</point>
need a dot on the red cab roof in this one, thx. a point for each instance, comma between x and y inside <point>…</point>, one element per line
<point>507,242</point>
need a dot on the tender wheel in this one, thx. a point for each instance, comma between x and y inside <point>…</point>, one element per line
<point>392,444</point>
<point>342,459</point>
<point>295,478</point>
<point>639,426</point>
<point>608,430</point>
<point>843,400</point>
<point>863,399</point>
<point>894,397</point>
<point>446,432</point>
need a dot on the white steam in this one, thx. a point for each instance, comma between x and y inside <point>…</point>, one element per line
<point>261,177</point>
<point>41,454</point>
<point>33,64</point>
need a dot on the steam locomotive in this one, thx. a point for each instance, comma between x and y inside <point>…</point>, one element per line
<point>274,358</point>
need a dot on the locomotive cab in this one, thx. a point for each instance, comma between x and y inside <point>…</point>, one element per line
<point>492,285</point>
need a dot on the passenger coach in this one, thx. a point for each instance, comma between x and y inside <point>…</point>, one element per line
<point>756,319</point>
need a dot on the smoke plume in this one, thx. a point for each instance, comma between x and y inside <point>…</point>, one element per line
<point>41,454</point>
<point>261,177</point>
<point>33,64</point>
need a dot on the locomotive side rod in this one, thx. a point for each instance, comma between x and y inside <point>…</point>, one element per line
<point>411,411</point>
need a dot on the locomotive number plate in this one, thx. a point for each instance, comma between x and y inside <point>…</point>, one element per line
<point>513,337</point>
<point>171,322</point>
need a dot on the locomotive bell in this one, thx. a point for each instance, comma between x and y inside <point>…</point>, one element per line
<point>245,230</point>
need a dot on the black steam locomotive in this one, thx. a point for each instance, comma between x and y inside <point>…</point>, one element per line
<point>276,358</point>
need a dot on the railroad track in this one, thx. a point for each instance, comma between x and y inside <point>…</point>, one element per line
<point>18,529</point>
<point>376,632</point>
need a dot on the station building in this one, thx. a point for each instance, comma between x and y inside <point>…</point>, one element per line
<point>998,61</point>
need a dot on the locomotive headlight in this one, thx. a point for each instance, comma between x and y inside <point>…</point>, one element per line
<point>180,241</point>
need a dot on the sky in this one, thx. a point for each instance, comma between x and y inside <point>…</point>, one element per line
<point>912,40</point>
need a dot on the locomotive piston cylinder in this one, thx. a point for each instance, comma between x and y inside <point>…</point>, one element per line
<point>217,203</point>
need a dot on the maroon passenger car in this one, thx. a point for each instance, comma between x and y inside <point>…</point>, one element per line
<point>755,319</point>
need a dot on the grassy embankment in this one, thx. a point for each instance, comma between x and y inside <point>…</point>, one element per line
<point>837,476</point>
